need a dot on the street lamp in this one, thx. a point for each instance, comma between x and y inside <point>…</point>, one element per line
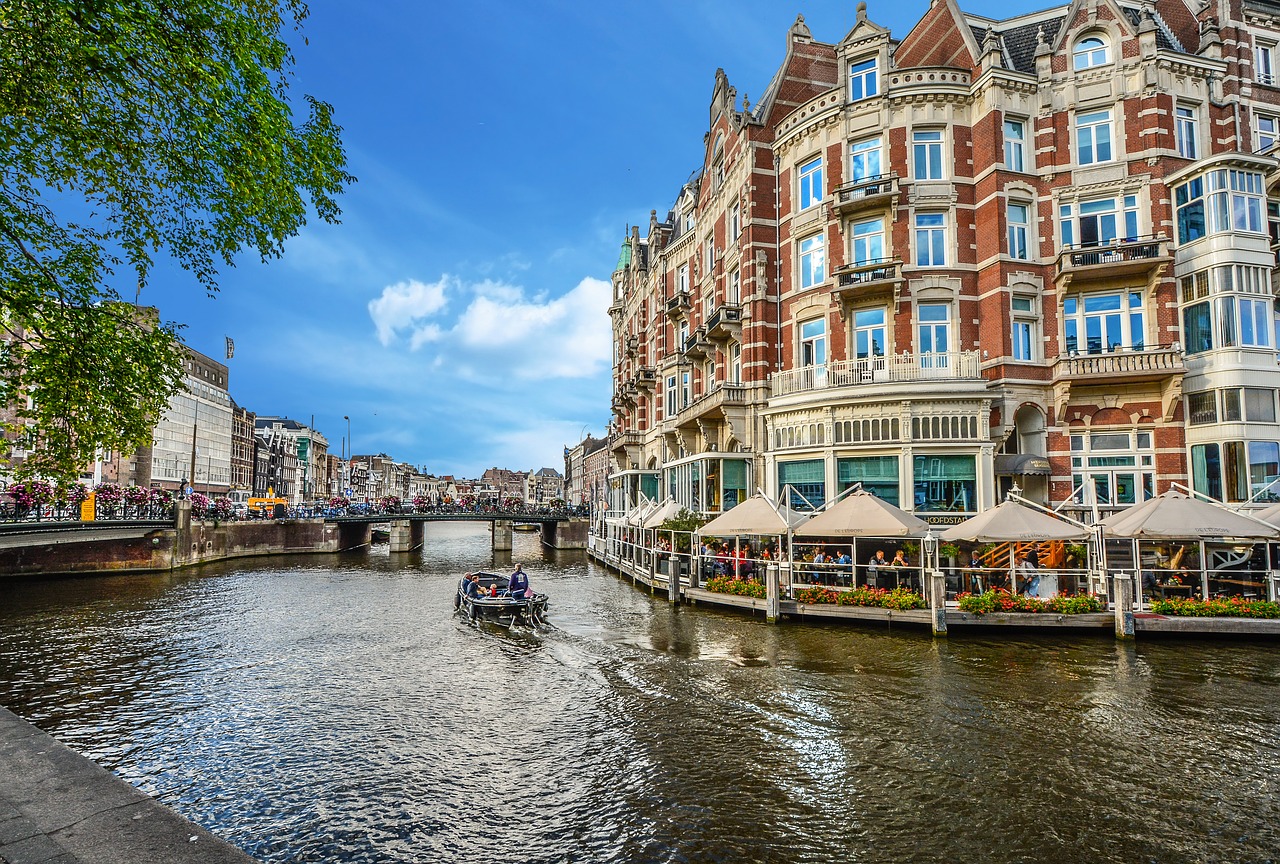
<point>930,550</point>
<point>347,455</point>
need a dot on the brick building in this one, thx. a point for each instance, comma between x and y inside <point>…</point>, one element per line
<point>1033,250</point>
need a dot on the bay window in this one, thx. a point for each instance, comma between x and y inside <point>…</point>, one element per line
<point>1237,471</point>
<point>1221,200</point>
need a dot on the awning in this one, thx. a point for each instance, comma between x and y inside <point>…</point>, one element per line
<point>1021,463</point>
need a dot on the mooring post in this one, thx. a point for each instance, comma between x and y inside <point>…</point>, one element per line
<point>1122,604</point>
<point>673,579</point>
<point>938,601</point>
<point>772,593</point>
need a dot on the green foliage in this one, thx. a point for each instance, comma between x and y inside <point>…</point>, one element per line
<point>737,587</point>
<point>684,524</point>
<point>999,600</point>
<point>129,130</point>
<point>1217,607</point>
<point>880,598</point>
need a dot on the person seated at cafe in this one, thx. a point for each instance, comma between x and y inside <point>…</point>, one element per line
<point>1028,576</point>
<point>873,568</point>
<point>899,560</point>
<point>746,567</point>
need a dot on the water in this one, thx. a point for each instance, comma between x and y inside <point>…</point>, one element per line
<point>335,710</point>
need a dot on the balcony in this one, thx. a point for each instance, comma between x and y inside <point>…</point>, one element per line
<point>865,278</point>
<point>1122,367</point>
<point>1142,257</point>
<point>696,344</point>
<point>725,323</point>
<point>646,378</point>
<point>866,194</point>
<point>678,305</point>
<point>715,405</point>
<point>895,368</point>
<point>1161,366</point>
<point>632,345</point>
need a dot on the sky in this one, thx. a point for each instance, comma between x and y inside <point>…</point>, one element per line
<point>458,314</point>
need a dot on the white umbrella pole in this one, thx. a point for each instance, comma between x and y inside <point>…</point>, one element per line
<point>1204,574</point>
<point>1137,572</point>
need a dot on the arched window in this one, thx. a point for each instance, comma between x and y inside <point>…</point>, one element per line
<point>1090,51</point>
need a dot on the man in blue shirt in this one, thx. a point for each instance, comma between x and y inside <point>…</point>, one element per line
<point>518,584</point>
<point>471,585</point>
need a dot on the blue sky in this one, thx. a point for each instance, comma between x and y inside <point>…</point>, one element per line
<point>502,147</point>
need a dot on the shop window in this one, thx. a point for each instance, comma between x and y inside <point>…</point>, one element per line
<point>877,474</point>
<point>945,483</point>
<point>807,480</point>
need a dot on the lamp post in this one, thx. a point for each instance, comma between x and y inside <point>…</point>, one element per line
<point>347,454</point>
<point>930,550</point>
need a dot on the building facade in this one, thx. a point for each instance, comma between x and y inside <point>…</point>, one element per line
<point>1035,251</point>
<point>192,440</point>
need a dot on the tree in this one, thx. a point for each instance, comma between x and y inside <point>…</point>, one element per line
<point>127,131</point>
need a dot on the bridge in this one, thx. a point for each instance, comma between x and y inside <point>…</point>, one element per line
<point>559,528</point>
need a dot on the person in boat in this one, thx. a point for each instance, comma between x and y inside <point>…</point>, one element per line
<point>518,584</point>
<point>471,586</point>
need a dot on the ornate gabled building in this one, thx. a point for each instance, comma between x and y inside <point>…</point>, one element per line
<point>1032,251</point>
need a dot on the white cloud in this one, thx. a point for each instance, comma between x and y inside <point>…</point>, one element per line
<point>502,331</point>
<point>402,305</point>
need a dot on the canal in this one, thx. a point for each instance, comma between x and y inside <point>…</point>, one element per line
<point>335,710</point>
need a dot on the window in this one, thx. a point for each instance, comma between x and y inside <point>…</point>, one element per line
<point>865,158</point>
<point>735,222</point>
<point>682,335</point>
<point>735,288</point>
<point>682,279</point>
<point>735,363</point>
<point>869,333</point>
<point>1240,469</point>
<point>868,241</point>
<point>684,389</point>
<point>811,183</point>
<point>709,248</point>
<point>931,240</point>
<point>862,80</point>
<point>1221,200</point>
<point>671,396</point>
<point>1264,71</point>
<point>945,484</point>
<point>813,342</point>
<point>1015,139</point>
<point>1202,408</point>
<point>1019,220</point>
<point>1185,132</point>
<point>1101,323</point>
<point>1025,327</point>
<point>1093,137</point>
<point>812,261</point>
<point>927,155</point>
<point>807,480</point>
<point>1259,405</point>
<point>1266,131</point>
<point>1089,52</point>
<point>1120,464</point>
<point>934,328</point>
<point>1104,220</point>
<point>877,474</point>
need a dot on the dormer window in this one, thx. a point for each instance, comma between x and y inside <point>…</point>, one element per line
<point>863,83</point>
<point>1090,51</point>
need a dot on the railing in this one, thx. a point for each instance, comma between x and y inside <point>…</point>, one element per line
<point>1160,360</point>
<point>867,187</point>
<point>1132,249</point>
<point>646,377</point>
<point>722,319</point>
<point>864,272</point>
<point>722,394</point>
<point>951,365</point>
<point>625,438</point>
<point>696,343</point>
<point>677,304</point>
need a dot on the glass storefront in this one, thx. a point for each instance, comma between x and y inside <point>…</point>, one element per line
<point>946,484</point>
<point>808,482</point>
<point>877,474</point>
<point>709,484</point>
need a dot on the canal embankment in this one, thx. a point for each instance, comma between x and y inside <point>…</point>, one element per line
<point>59,806</point>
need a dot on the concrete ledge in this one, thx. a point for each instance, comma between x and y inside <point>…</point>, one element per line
<point>875,614</point>
<point>1147,622</point>
<point>58,807</point>
<point>1037,620</point>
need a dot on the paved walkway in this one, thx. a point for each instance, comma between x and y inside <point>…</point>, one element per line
<point>57,807</point>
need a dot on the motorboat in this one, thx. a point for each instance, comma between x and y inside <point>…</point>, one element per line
<point>496,603</point>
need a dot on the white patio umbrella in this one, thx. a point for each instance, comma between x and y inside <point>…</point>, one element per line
<point>862,514</point>
<point>668,509</point>
<point>1177,516</point>
<point>1012,522</point>
<point>756,516</point>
